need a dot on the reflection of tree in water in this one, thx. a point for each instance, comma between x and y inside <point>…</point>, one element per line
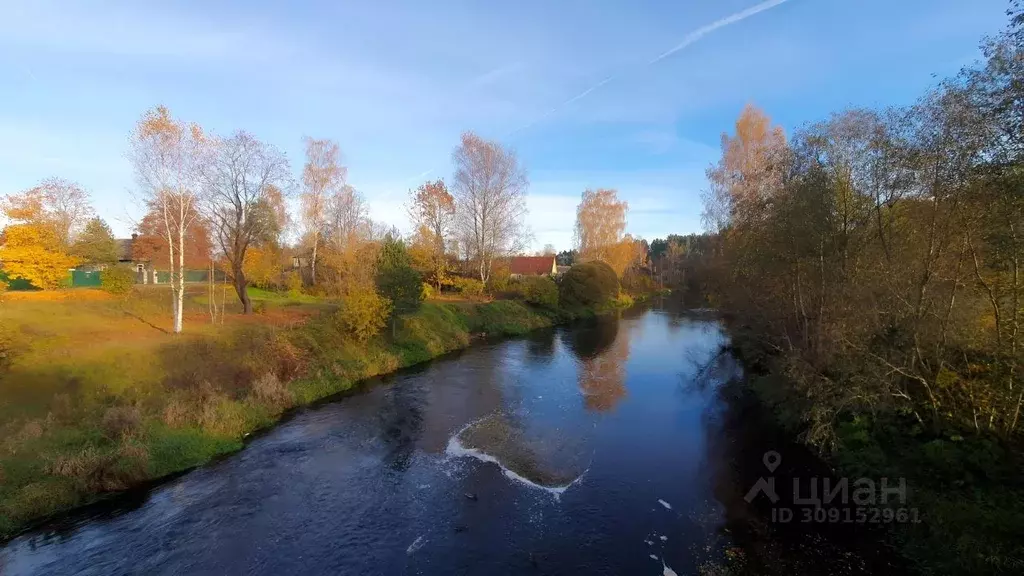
<point>594,337</point>
<point>540,345</point>
<point>401,423</point>
<point>603,356</point>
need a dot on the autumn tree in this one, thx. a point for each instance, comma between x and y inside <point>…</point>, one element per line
<point>349,250</point>
<point>150,243</point>
<point>548,250</point>
<point>242,187</point>
<point>56,203</point>
<point>432,213</point>
<point>489,189</point>
<point>33,252</point>
<point>96,243</point>
<point>600,223</point>
<point>323,178</point>
<point>43,219</point>
<point>749,172</point>
<point>168,156</point>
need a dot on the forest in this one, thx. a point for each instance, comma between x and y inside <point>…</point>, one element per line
<point>870,265</point>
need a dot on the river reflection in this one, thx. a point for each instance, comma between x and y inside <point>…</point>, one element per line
<point>600,448</point>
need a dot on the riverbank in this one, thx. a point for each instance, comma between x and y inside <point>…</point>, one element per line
<point>139,410</point>
<point>966,489</point>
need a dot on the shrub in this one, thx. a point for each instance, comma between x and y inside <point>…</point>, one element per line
<point>118,280</point>
<point>468,287</point>
<point>539,290</point>
<point>427,291</point>
<point>499,281</point>
<point>363,314</point>
<point>121,421</point>
<point>588,285</point>
<point>293,283</point>
<point>270,391</point>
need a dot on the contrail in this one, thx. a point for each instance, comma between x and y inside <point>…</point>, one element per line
<point>689,39</point>
<point>705,30</point>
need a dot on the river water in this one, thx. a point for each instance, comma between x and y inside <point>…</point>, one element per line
<point>604,448</point>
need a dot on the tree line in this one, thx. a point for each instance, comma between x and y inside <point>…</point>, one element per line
<point>880,252</point>
<point>221,201</point>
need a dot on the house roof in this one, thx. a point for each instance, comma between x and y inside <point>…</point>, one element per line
<point>531,265</point>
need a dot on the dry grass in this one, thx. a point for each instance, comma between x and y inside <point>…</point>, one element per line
<point>121,421</point>
<point>98,470</point>
<point>270,391</point>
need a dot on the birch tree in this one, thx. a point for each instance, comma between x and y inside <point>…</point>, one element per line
<point>322,177</point>
<point>490,200</point>
<point>168,155</point>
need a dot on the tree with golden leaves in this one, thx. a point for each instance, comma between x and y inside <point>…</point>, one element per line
<point>55,203</point>
<point>168,156</point>
<point>432,213</point>
<point>749,173</point>
<point>322,177</point>
<point>600,223</point>
<point>33,252</point>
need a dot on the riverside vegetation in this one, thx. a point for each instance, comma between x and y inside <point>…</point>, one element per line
<point>98,399</point>
<point>870,268</point>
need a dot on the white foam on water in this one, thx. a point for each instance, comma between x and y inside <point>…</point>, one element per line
<point>455,449</point>
<point>663,538</point>
<point>649,543</point>
<point>666,571</point>
<point>653,557</point>
<point>416,545</point>
<point>665,504</point>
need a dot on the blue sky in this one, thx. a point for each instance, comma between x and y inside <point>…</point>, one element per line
<point>396,82</point>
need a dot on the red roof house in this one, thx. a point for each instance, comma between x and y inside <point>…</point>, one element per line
<point>532,266</point>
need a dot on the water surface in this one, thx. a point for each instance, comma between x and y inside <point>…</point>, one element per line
<point>604,448</point>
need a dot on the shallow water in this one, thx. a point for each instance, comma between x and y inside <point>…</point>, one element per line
<point>598,449</point>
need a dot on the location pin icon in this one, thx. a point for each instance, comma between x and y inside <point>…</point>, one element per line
<point>771,460</point>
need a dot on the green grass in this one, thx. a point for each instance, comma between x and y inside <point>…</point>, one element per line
<point>100,398</point>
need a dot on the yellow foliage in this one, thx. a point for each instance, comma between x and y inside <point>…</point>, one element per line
<point>262,266</point>
<point>363,314</point>
<point>29,252</point>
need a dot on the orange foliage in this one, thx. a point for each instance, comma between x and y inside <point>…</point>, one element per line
<point>150,244</point>
<point>33,252</point>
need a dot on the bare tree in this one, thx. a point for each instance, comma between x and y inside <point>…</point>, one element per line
<point>240,184</point>
<point>490,199</point>
<point>168,156</point>
<point>322,178</point>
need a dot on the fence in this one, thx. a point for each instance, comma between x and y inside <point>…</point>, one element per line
<point>192,276</point>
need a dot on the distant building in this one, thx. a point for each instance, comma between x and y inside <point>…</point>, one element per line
<point>532,266</point>
<point>144,272</point>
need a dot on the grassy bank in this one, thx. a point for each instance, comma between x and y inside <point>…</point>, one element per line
<point>97,397</point>
<point>967,487</point>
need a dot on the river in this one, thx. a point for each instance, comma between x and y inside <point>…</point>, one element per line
<point>602,448</point>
